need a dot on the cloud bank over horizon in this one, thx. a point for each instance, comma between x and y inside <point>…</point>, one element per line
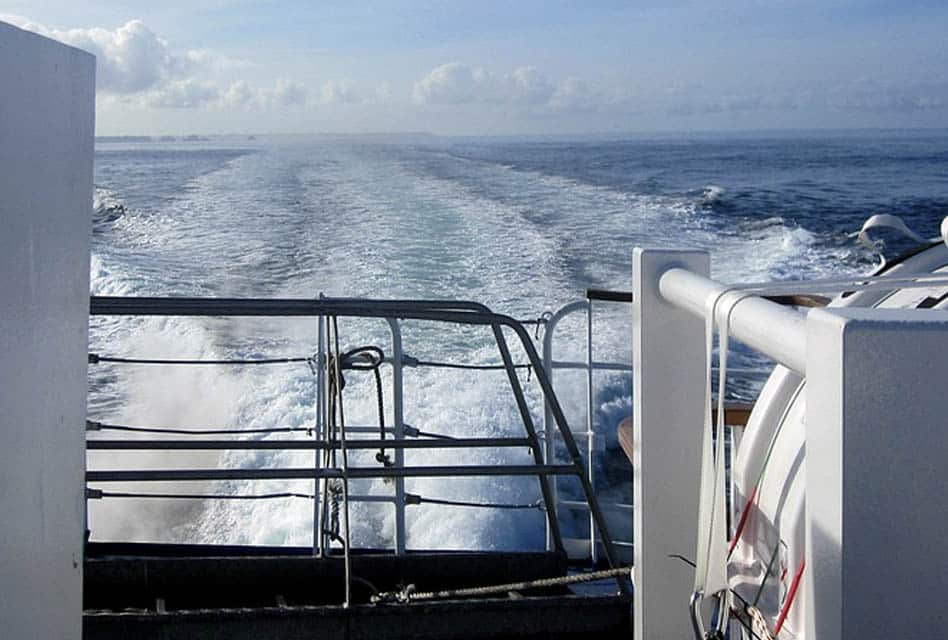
<point>148,84</point>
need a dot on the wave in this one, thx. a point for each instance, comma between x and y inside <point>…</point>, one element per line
<point>366,222</point>
<point>107,207</point>
<point>712,194</point>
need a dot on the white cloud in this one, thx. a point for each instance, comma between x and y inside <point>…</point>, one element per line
<point>240,95</point>
<point>339,91</point>
<point>383,92</point>
<point>135,65</point>
<point>288,93</point>
<point>285,93</point>
<point>454,83</point>
<point>183,94</point>
<point>527,85</point>
<point>130,59</point>
<point>573,94</point>
<point>207,60</point>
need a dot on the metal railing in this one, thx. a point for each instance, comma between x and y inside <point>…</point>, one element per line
<point>551,364</point>
<point>403,435</point>
<point>590,365</point>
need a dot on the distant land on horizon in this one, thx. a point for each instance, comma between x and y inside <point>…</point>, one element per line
<point>420,136</point>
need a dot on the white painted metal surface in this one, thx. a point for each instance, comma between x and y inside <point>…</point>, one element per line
<point>668,347</point>
<point>876,447</point>
<point>859,521</point>
<point>47,93</point>
<point>775,331</point>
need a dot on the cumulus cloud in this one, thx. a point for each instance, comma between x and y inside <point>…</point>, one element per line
<point>338,91</point>
<point>573,94</point>
<point>183,94</point>
<point>239,94</point>
<point>455,83</point>
<point>130,59</point>
<point>135,65</point>
<point>284,93</point>
<point>383,92</point>
<point>529,86</point>
<point>288,93</point>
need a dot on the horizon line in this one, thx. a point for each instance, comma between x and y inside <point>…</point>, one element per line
<point>428,134</point>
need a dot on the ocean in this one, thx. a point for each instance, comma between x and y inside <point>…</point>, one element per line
<point>524,225</point>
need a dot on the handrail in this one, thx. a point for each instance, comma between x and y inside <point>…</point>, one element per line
<point>300,473</point>
<point>457,312</point>
<point>608,296</point>
<point>793,300</point>
<point>775,331</point>
<point>286,445</point>
<point>736,412</point>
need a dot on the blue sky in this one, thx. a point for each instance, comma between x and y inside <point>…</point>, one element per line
<point>231,66</point>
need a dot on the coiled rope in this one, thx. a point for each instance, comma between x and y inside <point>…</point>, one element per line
<point>367,358</point>
<point>408,594</point>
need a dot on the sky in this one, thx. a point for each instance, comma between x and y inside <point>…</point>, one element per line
<point>505,68</point>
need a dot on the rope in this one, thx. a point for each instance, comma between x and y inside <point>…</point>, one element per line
<point>335,491</point>
<point>408,594</point>
<point>767,574</point>
<point>100,426</point>
<point>95,358</point>
<point>199,496</point>
<point>416,499</point>
<point>348,362</point>
<point>371,360</point>
<point>751,618</point>
<point>794,585</point>
<point>335,397</point>
<point>471,367</point>
<point>436,436</point>
<point>335,494</point>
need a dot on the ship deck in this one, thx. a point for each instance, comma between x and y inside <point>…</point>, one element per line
<point>207,591</point>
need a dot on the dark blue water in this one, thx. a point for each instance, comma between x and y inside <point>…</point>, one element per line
<point>826,183</point>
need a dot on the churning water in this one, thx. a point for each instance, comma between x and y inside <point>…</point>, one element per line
<point>523,226</point>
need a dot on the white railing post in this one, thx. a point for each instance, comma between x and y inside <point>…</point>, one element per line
<point>590,435</point>
<point>877,402</point>
<point>398,417</point>
<point>318,433</point>
<point>669,362</point>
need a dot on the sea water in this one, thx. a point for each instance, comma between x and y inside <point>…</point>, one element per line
<point>522,225</point>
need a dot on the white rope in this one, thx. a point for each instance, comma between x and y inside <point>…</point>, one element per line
<point>711,555</point>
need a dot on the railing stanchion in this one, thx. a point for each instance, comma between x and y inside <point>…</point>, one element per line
<point>551,517</point>
<point>593,555</point>
<point>549,432</point>
<point>399,423</point>
<point>669,382</point>
<point>317,434</point>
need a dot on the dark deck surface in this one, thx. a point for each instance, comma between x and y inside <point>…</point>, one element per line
<point>193,591</point>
